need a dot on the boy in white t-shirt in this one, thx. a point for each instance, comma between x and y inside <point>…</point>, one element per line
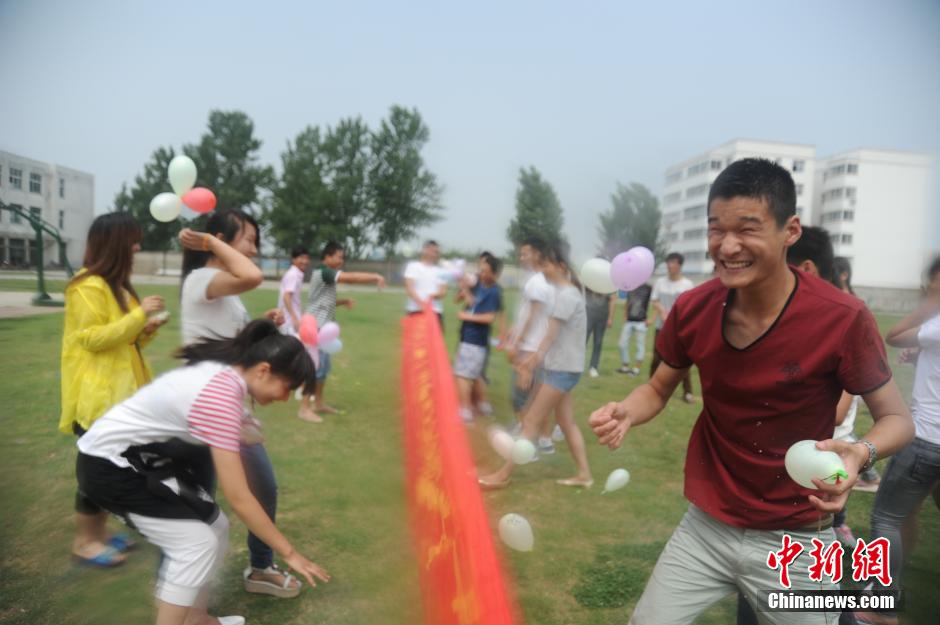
<point>424,282</point>
<point>666,291</point>
<point>292,283</point>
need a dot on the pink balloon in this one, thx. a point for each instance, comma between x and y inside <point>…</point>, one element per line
<point>308,330</point>
<point>200,199</point>
<point>329,332</point>
<point>632,268</point>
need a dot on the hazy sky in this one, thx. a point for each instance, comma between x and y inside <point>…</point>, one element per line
<point>590,93</point>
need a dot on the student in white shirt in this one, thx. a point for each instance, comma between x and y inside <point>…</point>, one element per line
<point>666,291</point>
<point>217,267</point>
<point>424,282</point>
<point>149,460</point>
<point>292,282</point>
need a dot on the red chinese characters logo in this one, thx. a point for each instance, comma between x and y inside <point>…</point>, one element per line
<point>784,558</point>
<point>826,561</point>
<point>871,560</point>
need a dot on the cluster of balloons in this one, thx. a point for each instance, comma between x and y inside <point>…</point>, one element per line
<point>514,529</point>
<point>182,174</point>
<point>625,272</point>
<point>804,462</point>
<point>326,339</point>
<point>452,270</point>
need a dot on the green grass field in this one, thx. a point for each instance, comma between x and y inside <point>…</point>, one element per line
<point>342,499</point>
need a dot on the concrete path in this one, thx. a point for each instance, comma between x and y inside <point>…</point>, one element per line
<point>19,304</point>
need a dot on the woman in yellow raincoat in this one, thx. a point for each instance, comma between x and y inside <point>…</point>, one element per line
<point>106,325</point>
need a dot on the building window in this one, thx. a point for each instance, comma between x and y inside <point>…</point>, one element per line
<point>3,251</point>
<point>833,194</point>
<point>850,193</point>
<point>716,165</point>
<point>16,178</point>
<point>845,239</point>
<point>672,198</point>
<point>693,256</point>
<point>62,187</point>
<point>35,183</point>
<point>848,215</point>
<point>16,219</point>
<point>851,168</point>
<point>799,189</point>
<point>672,236</point>
<point>671,218</point>
<point>694,212</point>
<point>35,212</point>
<point>17,252</point>
<point>799,165</point>
<point>691,235</point>
<point>61,220</point>
<point>694,170</point>
<point>697,190</point>
<point>675,176</point>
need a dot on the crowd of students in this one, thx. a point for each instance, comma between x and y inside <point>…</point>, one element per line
<point>153,451</point>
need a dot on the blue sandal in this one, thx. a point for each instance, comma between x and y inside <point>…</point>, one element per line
<point>122,542</point>
<point>107,558</point>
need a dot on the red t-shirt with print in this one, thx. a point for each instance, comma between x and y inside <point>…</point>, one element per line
<point>759,400</point>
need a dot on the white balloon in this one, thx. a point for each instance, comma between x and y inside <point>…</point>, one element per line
<point>617,479</point>
<point>501,442</point>
<point>516,532</point>
<point>332,347</point>
<point>595,274</point>
<point>166,206</point>
<point>804,462</point>
<point>182,174</point>
<point>523,451</point>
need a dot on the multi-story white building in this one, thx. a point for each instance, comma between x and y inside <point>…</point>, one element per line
<point>685,192</point>
<point>62,197</point>
<point>876,205</point>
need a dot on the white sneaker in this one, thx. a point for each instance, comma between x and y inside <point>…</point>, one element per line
<point>231,620</point>
<point>486,409</point>
<point>466,415</point>
<point>593,372</point>
<point>557,434</point>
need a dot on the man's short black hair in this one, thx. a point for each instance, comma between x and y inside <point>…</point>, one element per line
<point>676,256</point>
<point>536,243</point>
<point>760,179</point>
<point>496,265</point>
<point>815,245</point>
<point>485,254</point>
<point>331,248</point>
<point>299,250</point>
<point>430,242</point>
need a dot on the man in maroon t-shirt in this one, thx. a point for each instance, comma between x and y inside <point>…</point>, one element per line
<point>774,350</point>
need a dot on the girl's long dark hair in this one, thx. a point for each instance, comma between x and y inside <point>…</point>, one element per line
<point>228,223</point>
<point>555,255</point>
<point>259,341</point>
<point>109,253</point>
<point>841,265</point>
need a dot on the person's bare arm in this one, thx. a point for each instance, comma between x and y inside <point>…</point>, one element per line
<point>361,277</point>
<point>842,409</point>
<point>232,480</point>
<point>612,421</point>
<point>289,307</point>
<point>486,318</point>
<point>904,333</point>
<point>239,273</point>
<point>892,431</point>
<point>412,293</point>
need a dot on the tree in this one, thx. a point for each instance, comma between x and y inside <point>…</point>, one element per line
<point>323,193</point>
<point>227,160</point>
<point>538,211</point>
<point>634,219</point>
<point>404,195</point>
<point>157,235</point>
<point>301,193</point>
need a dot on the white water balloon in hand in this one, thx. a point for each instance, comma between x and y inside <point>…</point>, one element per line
<point>617,479</point>
<point>804,462</point>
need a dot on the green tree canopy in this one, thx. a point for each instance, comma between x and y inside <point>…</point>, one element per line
<point>538,211</point>
<point>633,219</point>
<point>157,235</point>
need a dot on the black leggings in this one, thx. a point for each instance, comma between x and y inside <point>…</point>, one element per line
<point>84,505</point>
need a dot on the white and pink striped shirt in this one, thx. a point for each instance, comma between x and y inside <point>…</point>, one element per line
<point>200,404</point>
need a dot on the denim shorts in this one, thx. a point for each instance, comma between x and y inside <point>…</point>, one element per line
<point>324,369</point>
<point>564,381</point>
